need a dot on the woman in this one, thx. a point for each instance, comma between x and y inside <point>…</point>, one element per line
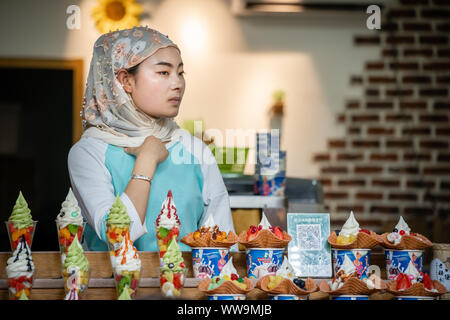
<point>131,146</point>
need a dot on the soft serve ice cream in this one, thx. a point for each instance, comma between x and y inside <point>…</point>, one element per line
<point>346,270</point>
<point>349,230</point>
<point>172,271</point>
<point>118,223</point>
<point>401,229</point>
<point>228,273</point>
<point>75,271</point>
<point>264,224</point>
<point>127,267</point>
<point>70,213</point>
<point>19,269</point>
<point>20,223</point>
<point>167,224</point>
<point>284,272</point>
<point>69,223</point>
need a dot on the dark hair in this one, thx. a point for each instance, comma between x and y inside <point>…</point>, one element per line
<point>133,70</point>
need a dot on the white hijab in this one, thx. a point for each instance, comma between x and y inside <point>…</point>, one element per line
<point>109,113</point>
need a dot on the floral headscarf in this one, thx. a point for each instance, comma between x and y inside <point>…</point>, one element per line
<point>108,111</point>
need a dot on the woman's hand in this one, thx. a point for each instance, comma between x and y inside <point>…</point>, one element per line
<point>152,149</point>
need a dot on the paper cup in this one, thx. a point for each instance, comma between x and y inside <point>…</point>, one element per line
<point>208,262</point>
<point>286,297</point>
<point>66,234</point>
<point>413,298</point>
<point>397,261</point>
<point>263,261</point>
<point>171,283</point>
<point>226,297</point>
<point>17,285</point>
<point>14,234</point>
<point>76,283</point>
<point>350,297</point>
<point>127,280</point>
<point>359,257</point>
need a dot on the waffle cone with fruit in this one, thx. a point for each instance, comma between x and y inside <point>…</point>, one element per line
<point>210,237</point>
<point>228,287</point>
<point>287,286</point>
<point>365,239</point>
<point>264,238</point>
<point>352,286</point>
<point>403,286</point>
<point>413,241</point>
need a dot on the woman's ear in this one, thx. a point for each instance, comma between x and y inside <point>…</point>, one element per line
<point>126,80</point>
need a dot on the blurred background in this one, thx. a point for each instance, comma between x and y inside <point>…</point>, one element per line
<point>363,112</point>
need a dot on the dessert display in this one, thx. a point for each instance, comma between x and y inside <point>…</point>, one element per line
<point>346,282</point>
<point>210,235</point>
<point>20,223</point>
<point>117,224</point>
<point>69,223</point>
<point>415,285</point>
<point>352,237</point>
<point>172,271</point>
<point>20,269</point>
<point>75,271</point>
<point>284,282</point>
<point>168,225</point>
<point>228,282</point>
<point>401,238</point>
<point>264,236</point>
<point>127,267</point>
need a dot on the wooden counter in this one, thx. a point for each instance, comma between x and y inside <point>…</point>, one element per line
<point>48,283</point>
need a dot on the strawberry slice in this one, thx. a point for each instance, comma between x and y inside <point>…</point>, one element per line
<point>403,282</point>
<point>427,282</point>
<point>279,233</point>
<point>251,236</point>
<point>365,231</point>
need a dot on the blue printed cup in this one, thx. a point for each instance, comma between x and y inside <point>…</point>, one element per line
<point>350,297</point>
<point>208,262</point>
<point>413,298</point>
<point>226,297</point>
<point>286,297</point>
<point>397,262</point>
<point>263,261</point>
<point>359,257</point>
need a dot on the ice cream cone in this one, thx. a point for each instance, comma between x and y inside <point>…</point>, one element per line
<point>408,242</point>
<point>417,289</point>
<point>363,241</point>
<point>264,239</point>
<point>287,286</point>
<point>352,286</point>
<point>228,287</point>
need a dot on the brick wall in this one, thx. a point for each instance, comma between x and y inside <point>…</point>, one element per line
<point>395,157</point>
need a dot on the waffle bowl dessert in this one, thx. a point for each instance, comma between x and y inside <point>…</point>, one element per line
<point>346,282</point>
<point>285,282</point>
<point>352,237</point>
<point>210,236</point>
<point>264,236</point>
<point>401,238</point>
<point>227,283</point>
<point>407,286</point>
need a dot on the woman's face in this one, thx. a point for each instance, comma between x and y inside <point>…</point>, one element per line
<point>158,86</point>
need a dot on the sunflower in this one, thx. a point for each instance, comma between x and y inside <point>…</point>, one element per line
<point>110,15</point>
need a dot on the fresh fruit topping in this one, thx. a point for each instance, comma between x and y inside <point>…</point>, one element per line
<point>395,230</point>
<point>403,282</point>
<point>234,276</point>
<point>365,231</point>
<point>402,232</point>
<point>279,233</point>
<point>299,283</point>
<point>427,282</point>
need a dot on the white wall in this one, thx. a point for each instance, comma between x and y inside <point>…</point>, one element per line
<point>233,65</point>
